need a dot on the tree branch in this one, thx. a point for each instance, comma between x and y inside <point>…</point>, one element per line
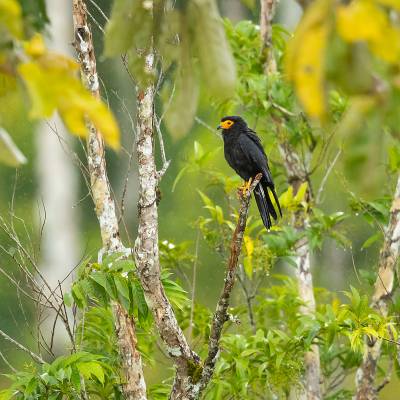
<point>36,357</point>
<point>134,387</point>
<point>366,373</point>
<point>221,314</point>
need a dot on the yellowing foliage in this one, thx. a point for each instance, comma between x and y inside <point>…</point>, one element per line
<point>248,259</point>
<point>354,21</point>
<point>305,61</point>
<point>36,46</point>
<point>365,20</point>
<point>52,84</point>
<point>11,18</point>
<point>390,3</point>
<point>290,201</point>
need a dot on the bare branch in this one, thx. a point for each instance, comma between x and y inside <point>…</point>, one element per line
<point>36,357</point>
<point>194,278</point>
<point>2,356</point>
<point>326,176</point>
<point>221,314</point>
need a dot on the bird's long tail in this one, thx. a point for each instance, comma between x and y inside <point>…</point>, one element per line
<point>264,203</point>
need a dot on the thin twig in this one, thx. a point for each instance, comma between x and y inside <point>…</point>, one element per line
<point>325,178</point>
<point>196,258</point>
<point>210,128</point>
<point>2,356</point>
<point>22,347</point>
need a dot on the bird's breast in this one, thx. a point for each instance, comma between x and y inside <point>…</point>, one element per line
<point>236,158</point>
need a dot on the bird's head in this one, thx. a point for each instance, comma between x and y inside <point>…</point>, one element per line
<point>232,124</point>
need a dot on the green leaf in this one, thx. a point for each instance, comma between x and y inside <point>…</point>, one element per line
<point>68,299</point>
<point>130,27</point>
<point>179,177</point>
<point>217,65</point>
<point>180,109</point>
<point>301,193</point>
<point>78,295</point>
<point>122,286</point>
<point>6,394</point>
<point>371,240</point>
<point>139,299</point>
<point>91,368</point>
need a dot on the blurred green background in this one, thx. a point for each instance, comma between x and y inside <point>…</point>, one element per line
<point>361,169</point>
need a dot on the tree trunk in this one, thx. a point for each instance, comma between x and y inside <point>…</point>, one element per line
<point>134,387</point>
<point>146,249</point>
<point>266,16</point>
<point>58,185</point>
<point>366,373</point>
<point>296,174</point>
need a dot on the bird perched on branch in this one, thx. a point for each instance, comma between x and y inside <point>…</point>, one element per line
<point>245,154</point>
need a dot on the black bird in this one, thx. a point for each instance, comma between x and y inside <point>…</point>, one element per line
<point>245,154</point>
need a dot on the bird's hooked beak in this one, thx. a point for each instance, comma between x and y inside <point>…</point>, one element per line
<point>225,124</point>
<point>219,127</point>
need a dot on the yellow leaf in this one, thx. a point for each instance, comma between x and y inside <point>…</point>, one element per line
<point>300,195</point>
<point>35,47</point>
<point>249,245</point>
<point>286,198</point>
<point>11,17</point>
<point>52,84</point>
<point>305,60</point>
<point>364,20</point>
<point>371,332</point>
<point>390,3</point>
<point>248,260</point>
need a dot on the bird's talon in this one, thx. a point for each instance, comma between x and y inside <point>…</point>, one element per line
<point>246,186</point>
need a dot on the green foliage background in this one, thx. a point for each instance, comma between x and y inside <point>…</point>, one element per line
<point>345,232</point>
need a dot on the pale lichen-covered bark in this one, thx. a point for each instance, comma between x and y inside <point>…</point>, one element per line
<point>134,387</point>
<point>146,250</point>
<point>296,175</point>
<point>266,15</point>
<point>366,373</point>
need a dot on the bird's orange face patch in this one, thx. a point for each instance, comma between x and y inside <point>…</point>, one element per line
<point>226,124</point>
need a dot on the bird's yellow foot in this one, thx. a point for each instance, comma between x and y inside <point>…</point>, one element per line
<point>246,186</point>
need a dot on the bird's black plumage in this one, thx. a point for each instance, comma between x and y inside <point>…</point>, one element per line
<point>245,154</point>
